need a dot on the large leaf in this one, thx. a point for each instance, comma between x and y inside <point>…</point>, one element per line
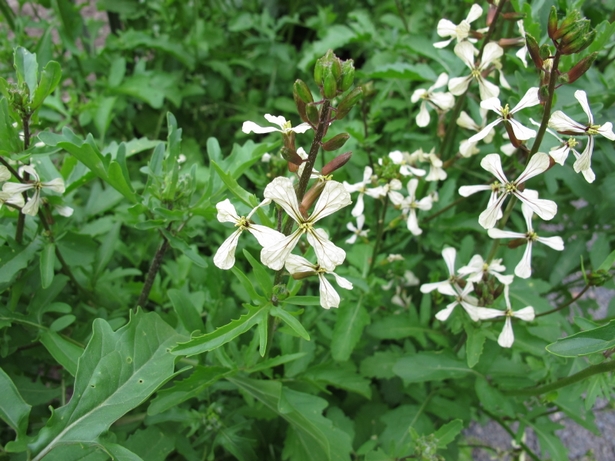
<point>429,366</point>
<point>223,334</point>
<point>26,68</point>
<point>586,342</point>
<point>312,436</point>
<point>10,267</point>
<point>14,411</point>
<point>117,371</point>
<point>50,77</point>
<point>66,353</point>
<point>352,318</point>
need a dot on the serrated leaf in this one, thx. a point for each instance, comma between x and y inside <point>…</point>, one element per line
<point>14,411</point>
<point>586,342</point>
<point>223,334</point>
<point>233,185</point>
<point>247,285</point>
<point>351,320</point>
<point>262,275</point>
<point>65,352</point>
<point>474,345</point>
<point>117,371</point>
<point>447,433</point>
<point>191,387</point>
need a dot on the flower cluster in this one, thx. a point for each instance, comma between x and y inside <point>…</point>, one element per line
<point>12,191</point>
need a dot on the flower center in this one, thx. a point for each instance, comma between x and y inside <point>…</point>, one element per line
<point>592,130</point>
<point>572,142</point>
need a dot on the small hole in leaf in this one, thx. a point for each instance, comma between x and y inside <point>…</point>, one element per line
<point>140,381</point>
<point>128,359</point>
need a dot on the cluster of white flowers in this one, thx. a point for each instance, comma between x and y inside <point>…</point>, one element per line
<point>12,191</point>
<point>460,285</point>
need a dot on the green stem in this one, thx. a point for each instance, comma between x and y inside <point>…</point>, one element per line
<point>153,270</point>
<point>379,234</point>
<point>498,420</point>
<point>566,304</point>
<point>21,219</point>
<point>603,367</point>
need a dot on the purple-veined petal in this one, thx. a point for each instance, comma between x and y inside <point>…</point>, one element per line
<point>522,133</point>
<point>225,256</point>
<point>333,198</point>
<point>328,254</point>
<point>475,12</point>
<point>265,235</point>
<point>459,85</point>
<point>539,163</point>
<point>301,128</point>
<point>529,99</point>
<point>274,256</point>
<point>606,130</point>
<point>487,89</point>
<point>557,243</point>
<point>562,123</point>
<point>482,134</point>
<point>466,191</point>
<point>56,185</point>
<point>493,165</point>
<point>527,314</point>
<point>297,264</point>
<point>282,192</point>
<point>584,162</point>
<point>502,234</point>
<point>492,213</point>
<point>491,52</point>
<point>342,282</point>
<point>446,28</point>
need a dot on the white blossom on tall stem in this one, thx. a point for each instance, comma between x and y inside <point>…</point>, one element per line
<point>285,126</point>
<point>225,256</point>
<point>467,148</point>
<point>410,204</point>
<point>301,267</point>
<point>361,188</point>
<point>565,125</point>
<point>442,102</point>
<point>466,52</point>
<point>34,202</point>
<point>465,300</point>
<point>406,161</point>
<point>524,268</point>
<point>521,132</point>
<point>459,31</point>
<point>436,172</point>
<point>333,198</point>
<point>449,254</point>
<point>356,231</point>
<point>477,268</point>
<point>539,163</point>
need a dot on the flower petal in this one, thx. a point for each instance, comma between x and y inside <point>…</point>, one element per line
<point>328,296</point>
<point>329,255</point>
<point>282,192</point>
<point>274,256</point>
<point>225,256</point>
<point>333,198</point>
<point>507,337</point>
<point>251,127</point>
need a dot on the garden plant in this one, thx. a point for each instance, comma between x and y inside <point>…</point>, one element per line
<point>303,231</point>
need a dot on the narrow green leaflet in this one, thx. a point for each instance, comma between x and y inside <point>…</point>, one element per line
<point>66,353</point>
<point>233,185</point>
<point>14,411</point>
<point>447,433</point>
<point>117,371</point>
<point>20,261</point>
<point>352,318</point>
<point>291,321</point>
<point>48,259</point>
<point>342,375</point>
<point>151,444</point>
<point>429,366</point>
<point>27,69</point>
<point>50,77</point>
<point>248,285</point>
<point>185,310</point>
<point>223,334</point>
<point>191,387</point>
<point>263,276</point>
<point>586,342</point>
<point>474,345</point>
<point>186,249</point>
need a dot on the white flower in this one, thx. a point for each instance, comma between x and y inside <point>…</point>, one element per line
<point>467,148</point>
<point>34,202</point>
<point>463,298</point>
<point>410,204</point>
<point>565,125</point>
<point>5,174</point>
<point>436,172</point>
<point>13,199</point>
<point>406,161</point>
<point>477,268</point>
<point>539,163</point>
<point>361,188</point>
<point>387,189</point>
<point>506,115</point>
<point>394,257</point>
<point>524,268</point>
<point>401,298</point>
<point>460,32</point>
<point>285,126</point>
<point>328,296</point>
<point>522,52</point>
<point>304,156</point>
<point>449,254</point>
<point>225,256</point>
<point>441,101</point>
<point>466,52</point>
<point>356,231</point>
<point>333,197</point>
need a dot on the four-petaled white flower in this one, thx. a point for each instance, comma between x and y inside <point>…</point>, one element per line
<point>521,132</point>
<point>410,204</point>
<point>301,267</point>
<point>34,202</point>
<point>225,256</point>
<point>441,101</point>
<point>333,197</point>
<point>466,52</point>
<point>436,172</point>
<point>406,161</point>
<point>356,231</point>
<point>565,125</point>
<point>461,31</point>
<point>463,298</point>
<point>361,188</point>
<point>524,268</point>
<point>449,254</point>
<point>467,148</point>
<point>539,163</point>
<point>477,268</point>
<point>285,126</point>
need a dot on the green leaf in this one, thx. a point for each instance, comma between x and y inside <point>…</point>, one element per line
<point>404,71</point>
<point>184,308</point>
<point>608,262</point>
<point>65,352</point>
<point>341,375</point>
<point>233,185</point>
<point>26,68</point>
<point>274,362</point>
<point>9,134</point>
<point>48,259</point>
<point>224,334</point>
<point>248,285</point>
<point>303,300</point>
<point>313,437</point>
<point>182,246</point>
<point>117,372</point>
<point>396,327</point>
<point>447,433</point>
<point>429,366</point>
<point>262,275</point>
<point>242,448</point>
<point>291,321</point>
<point>50,77</point>
<point>352,318</point>
<point>11,267</point>
<point>586,342</point>
<point>189,388</point>
<point>14,411</point>
<point>150,444</point>
<point>474,345</point>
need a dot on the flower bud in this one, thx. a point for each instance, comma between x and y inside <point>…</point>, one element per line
<point>516,243</point>
<point>543,93</point>
<point>580,44</point>
<point>301,108</point>
<point>312,114</point>
<point>310,197</point>
<point>336,164</point>
<point>336,142</point>
<point>599,278</point>
<point>319,71</point>
<point>577,30</point>
<point>291,155</point>
<point>330,85</point>
<point>568,24</point>
<point>552,23</point>
<point>348,102</point>
<point>534,51</point>
<point>513,16</point>
<point>336,68</point>
<point>302,91</point>
<point>581,67</point>
<point>347,75</point>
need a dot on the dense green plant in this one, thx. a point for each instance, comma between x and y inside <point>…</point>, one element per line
<point>135,324</point>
